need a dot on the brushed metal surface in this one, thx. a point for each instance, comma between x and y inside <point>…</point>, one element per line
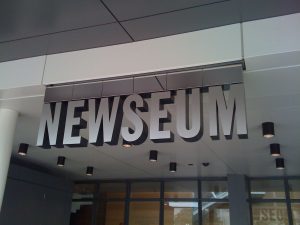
<point>58,94</point>
<point>185,79</point>
<point>118,87</point>
<point>86,91</point>
<point>223,75</point>
<point>150,84</point>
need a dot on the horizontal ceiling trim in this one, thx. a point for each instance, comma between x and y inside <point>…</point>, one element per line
<point>182,79</point>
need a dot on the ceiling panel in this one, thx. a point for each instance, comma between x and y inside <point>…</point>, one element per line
<point>188,20</point>
<point>129,9</point>
<point>257,9</point>
<point>98,36</point>
<point>23,48</point>
<point>26,18</point>
<point>37,19</point>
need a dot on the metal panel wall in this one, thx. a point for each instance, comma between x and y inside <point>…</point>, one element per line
<point>35,198</point>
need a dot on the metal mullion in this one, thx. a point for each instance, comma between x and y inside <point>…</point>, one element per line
<point>181,199</point>
<point>162,203</point>
<point>249,199</point>
<point>214,200</point>
<point>295,200</point>
<point>199,203</point>
<point>213,179</point>
<point>288,201</point>
<point>160,179</point>
<point>144,199</point>
<point>83,200</point>
<point>111,199</point>
<point>127,204</point>
<point>95,204</point>
<point>268,200</point>
<point>266,178</point>
<point>180,179</point>
<point>293,177</point>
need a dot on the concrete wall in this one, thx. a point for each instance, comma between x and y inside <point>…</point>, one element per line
<point>35,198</point>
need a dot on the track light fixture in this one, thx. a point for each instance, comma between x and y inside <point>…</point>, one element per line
<point>153,155</point>
<point>23,148</point>
<point>268,129</point>
<point>173,167</point>
<point>275,149</point>
<point>89,171</point>
<point>61,161</point>
<point>280,163</point>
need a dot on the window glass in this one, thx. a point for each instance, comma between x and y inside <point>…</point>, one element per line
<point>110,213</point>
<point>84,191</point>
<point>294,189</point>
<point>181,189</point>
<point>214,189</point>
<point>81,213</point>
<point>215,213</point>
<point>178,213</point>
<point>267,189</point>
<point>145,190</point>
<point>296,213</point>
<point>144,213</point>
<point>112,190</point>
<point>269,213</point>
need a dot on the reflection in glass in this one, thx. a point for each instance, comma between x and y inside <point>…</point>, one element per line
<point>267,189</point>
<point>294,189</point>
<point>112,190</point>
<point>110,213</point>
<point>181,189</point>
<point>83,191</point>
<point>296,213</point>
<point>144,213</point>
<point>269,214</point>
<point>181,213</point>
<point>81,213</point>
<point>214,189</point>
<point>145,190</point>
<point>215,213</point>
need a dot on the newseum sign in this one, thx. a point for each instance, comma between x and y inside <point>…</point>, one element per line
<point>62,118</point>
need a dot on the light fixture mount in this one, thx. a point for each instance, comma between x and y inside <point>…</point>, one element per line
<point>173,167</point>
<point>153,155</point>
<point>280,163</point>
<point>23,148</point>
<point>268,129</point>
<point>61,161</point>
<point>126,144</point>
<point>89,171</point>
<point>275,149</point>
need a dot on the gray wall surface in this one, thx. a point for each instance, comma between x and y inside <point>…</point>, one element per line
<point>35,198</point>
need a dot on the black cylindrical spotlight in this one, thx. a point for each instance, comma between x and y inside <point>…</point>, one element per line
<point>275,149</point>
<point>23,148</point>
<point>126,144</point>
<point>61,161</point>
<point>153,155</point>
<point>268,129</point>
<point>280,163</point>
<point>173,167</point>
<point>89,171</point>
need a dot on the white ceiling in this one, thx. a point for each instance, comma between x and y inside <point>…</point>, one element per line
<point>271,95</point>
